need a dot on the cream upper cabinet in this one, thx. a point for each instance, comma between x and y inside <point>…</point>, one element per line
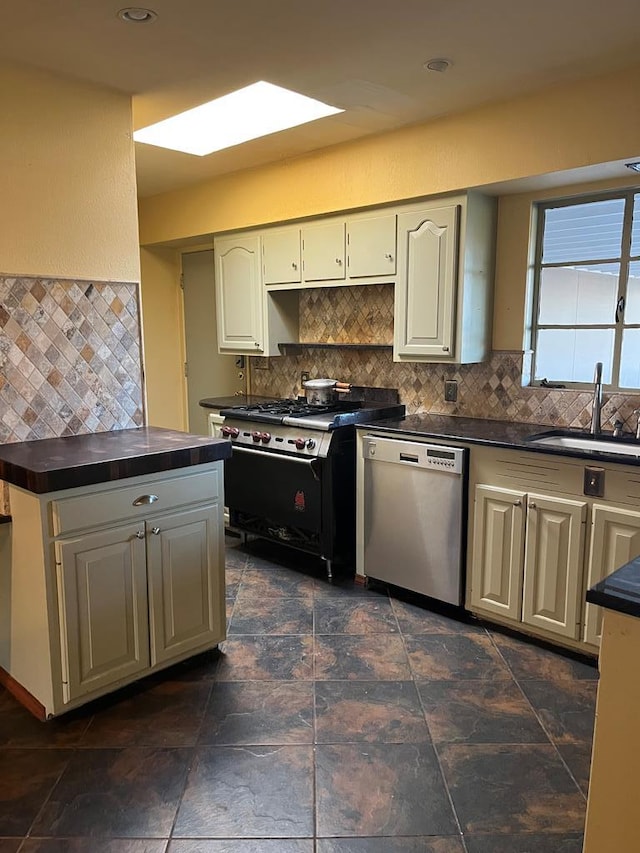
<point>324,251</point>
<point>497,551</point>
<point>239,297</point>
<point>281,256</point>
<point>553,565</point>
<point>615,539</point>
<point>371,246</point>
<point>444,280</point>
<point>426,291</point>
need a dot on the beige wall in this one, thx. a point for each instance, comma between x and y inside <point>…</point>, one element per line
<point>163,325</point>
<point>67,179</point>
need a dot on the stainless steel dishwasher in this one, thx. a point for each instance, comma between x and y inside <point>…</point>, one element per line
<point>414,511</point>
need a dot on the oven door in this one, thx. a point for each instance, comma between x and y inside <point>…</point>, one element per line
<point>285,491</point>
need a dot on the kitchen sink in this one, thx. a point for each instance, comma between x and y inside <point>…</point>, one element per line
<point>599,444</point>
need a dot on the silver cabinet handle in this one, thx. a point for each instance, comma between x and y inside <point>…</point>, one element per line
<point>257,344</point>
<point>388,256</point>
<point>532,505</point>
<point>517,503</point>
<point>294,265</point>
<point>145,500</point>
<point>140,534</point>
<point>155,530</point>
<point>339,261</point>
<point>445,349</point>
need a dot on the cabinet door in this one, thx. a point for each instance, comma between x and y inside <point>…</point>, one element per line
<point>281,256</point>
<point>323,251</point>
<point>426,290</point>
<point>615,539</point>
<point>186,587</point>
<point>239,294</point>
<point>553,565</point>
<point>102,589</point>
<point>371,243</point>
<point>498,542</point>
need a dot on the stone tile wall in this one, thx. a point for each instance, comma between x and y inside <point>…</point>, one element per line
<point>492,389</point>
<point>70,358</point>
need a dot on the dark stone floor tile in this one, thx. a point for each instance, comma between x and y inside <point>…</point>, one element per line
<point>374,711</point>
<point>266,658</point>
<point>479,712</point>
<point>420,844</point>
<point>168,713</point>
<point>19,728</point>
<point>449,657</point>
<point>366,658</point>
<point>201,667</point>
<point>27,777</point>
<point>349,586</point>
<point>566,708</point>
<point>235,556</point>
<point>353,615</point>
<point>126,793</point>
<point>381,790</point>
<point>534,662</point>
<point>259,712</point>
<point>233,577</point>
<point>94,845</point>
<point>550,843</point>
<point>260,616</point>
<point>414,619</point>
<point>511,789</point>
<point>578,759</point>
<point>257,792</point>
<point>275,583</point>
<point>244,845</point>
<point>10,845</point>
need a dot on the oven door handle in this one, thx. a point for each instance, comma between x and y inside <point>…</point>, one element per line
<point>310,463</point>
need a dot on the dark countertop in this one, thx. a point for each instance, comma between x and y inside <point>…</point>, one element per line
<point>620,590</point>
<point>227,402</point>
<point>508,434</point>
<point>52,464</point>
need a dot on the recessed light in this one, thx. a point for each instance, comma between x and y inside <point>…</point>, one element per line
<point>137,15</point>
<point>256,110</point>
<point>635,167</point>
<point>437,65</point>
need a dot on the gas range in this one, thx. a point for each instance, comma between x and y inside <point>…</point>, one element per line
<point>299,413</point>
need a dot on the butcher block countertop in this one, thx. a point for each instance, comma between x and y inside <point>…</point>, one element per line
<point>52,464</point>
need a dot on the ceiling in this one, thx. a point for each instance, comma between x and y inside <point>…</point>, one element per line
<point>365,56</point>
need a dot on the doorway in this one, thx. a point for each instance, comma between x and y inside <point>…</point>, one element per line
<point>208,374</point>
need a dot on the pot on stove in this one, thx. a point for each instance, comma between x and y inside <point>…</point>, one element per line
<point>321,392</point>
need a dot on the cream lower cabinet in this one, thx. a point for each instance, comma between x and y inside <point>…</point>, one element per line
<point>527,558</point>
<point>615,539</point>
<point>124,579</point>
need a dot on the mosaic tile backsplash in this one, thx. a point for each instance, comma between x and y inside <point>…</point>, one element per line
<point>491,390</point>
<point>70,358</point>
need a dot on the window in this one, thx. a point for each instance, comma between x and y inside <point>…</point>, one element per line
<point>587,290</point>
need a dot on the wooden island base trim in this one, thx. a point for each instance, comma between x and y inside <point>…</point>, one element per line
<point>22,695</point>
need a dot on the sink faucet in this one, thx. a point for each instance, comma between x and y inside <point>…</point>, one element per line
<point>596,406</point>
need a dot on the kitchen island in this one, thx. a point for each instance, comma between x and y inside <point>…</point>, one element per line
<point>114,567</point>
<point>613,788</point>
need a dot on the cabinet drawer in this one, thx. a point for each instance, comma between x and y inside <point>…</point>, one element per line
<point>93,509</point>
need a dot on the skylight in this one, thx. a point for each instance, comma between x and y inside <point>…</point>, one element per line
<point>257,110</point>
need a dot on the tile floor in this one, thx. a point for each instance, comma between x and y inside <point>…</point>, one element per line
<point>333,720</point>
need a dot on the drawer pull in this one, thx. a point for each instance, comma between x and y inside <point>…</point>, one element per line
<point>155,530</point>
<point>140,534</point>
<point>144,500</point>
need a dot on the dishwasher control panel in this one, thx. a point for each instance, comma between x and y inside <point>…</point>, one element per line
<point>416,454</point>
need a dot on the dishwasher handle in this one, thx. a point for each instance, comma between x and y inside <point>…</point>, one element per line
<point>414,454</point>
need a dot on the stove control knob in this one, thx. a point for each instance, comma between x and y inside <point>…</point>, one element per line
<point>256,436</point>
<point>266,437</point>
<point>230,432</point>
<point>300,443</point>
<point>311,443</point>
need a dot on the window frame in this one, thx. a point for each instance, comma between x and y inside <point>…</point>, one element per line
<point>624,260</point>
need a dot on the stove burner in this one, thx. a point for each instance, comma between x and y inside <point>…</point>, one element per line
<point>290,408</point>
